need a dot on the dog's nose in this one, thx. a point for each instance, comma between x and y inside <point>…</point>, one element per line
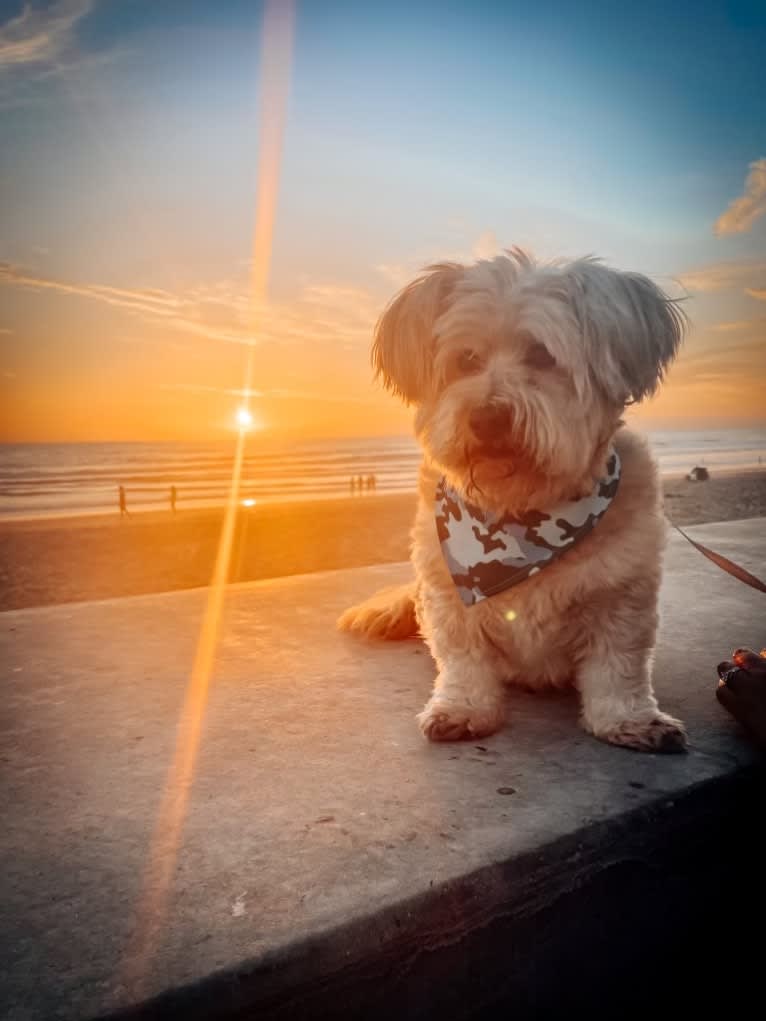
<point>491,422</point>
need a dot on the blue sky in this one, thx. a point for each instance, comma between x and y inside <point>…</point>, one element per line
<point>415,131</point>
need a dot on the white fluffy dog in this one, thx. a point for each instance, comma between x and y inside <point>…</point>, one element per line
<point>520,373</point>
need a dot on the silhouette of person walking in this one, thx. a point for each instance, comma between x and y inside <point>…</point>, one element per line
<point>173,496</point>
<point>123,502</point>
<point>353,484</point>
<point>360,483</point>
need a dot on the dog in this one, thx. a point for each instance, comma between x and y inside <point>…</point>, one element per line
<point>520,373</point>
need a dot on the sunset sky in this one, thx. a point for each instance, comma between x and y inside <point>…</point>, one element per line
<point>414,131</point>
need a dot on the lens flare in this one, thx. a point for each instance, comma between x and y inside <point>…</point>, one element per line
<point>510,615</point>
<point>249,502</point>
<point>154,898</point>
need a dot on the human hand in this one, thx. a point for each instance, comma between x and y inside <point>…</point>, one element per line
<point>742,690</point>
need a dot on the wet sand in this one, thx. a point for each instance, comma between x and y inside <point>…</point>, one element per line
<point>59,560</point>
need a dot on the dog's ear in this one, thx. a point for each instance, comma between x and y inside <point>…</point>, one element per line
<point>632,330</point>
<point>403,349</point>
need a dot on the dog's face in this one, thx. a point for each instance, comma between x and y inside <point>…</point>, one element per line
<point>521,372</point>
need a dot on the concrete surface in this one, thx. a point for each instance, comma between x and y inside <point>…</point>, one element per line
<point>333,863</point>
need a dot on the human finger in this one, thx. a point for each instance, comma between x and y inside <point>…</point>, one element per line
<point>749,660</point>
<point>740,680</point>
<point>728,673</point>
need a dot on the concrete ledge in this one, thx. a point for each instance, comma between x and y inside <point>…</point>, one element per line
<point>333,863</point>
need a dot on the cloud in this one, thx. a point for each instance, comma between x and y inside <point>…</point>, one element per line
<point>741,324</point>
<point>745,210</point>
<point>279,392</point>
<point>725,276</point>
<point>742,351</point>
<point>148,300</point>
<point>724,365</point>
<point>222,311</point>
<point>39,49</point>
<point>757,325</point>
<point>38,35</point>
<point>759,293</point>
<point>203,388</point>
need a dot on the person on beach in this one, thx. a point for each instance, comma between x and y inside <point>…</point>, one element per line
<point>353,485</point>
<point>123,502</point>
<point>742,690</point>
<point>173,496</point>
<point>360,483</point>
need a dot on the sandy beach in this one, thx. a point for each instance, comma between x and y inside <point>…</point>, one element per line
<point>59,560</point>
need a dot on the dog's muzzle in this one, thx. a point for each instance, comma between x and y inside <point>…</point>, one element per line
<point>492,424</point>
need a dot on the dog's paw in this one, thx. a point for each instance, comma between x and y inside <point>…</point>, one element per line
<point>658,733</point>
<point>389,615</point>
<point>444,721</point>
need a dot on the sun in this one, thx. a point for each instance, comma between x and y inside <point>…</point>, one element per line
<point>244,418</point>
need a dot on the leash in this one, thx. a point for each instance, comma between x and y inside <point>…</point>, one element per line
<point>723,562</point>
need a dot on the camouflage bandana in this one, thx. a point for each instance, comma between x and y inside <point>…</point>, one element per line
<point>487,553</point>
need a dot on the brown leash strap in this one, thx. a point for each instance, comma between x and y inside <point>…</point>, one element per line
<point>725,564</point>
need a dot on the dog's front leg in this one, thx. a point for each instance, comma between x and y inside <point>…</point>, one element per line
<point>614,678</point>
<point>468,699</point>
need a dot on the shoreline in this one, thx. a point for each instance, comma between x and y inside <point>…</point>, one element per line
<point>160,513</point>
<point>100,518</point>
<point>75,558</point>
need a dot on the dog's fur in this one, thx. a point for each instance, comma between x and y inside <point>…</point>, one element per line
<point>556,351</point>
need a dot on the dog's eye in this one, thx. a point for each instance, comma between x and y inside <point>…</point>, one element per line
<point>468,361</point>
<point>537,356</point>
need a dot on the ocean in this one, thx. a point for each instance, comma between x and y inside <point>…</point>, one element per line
<point>83,478</point>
